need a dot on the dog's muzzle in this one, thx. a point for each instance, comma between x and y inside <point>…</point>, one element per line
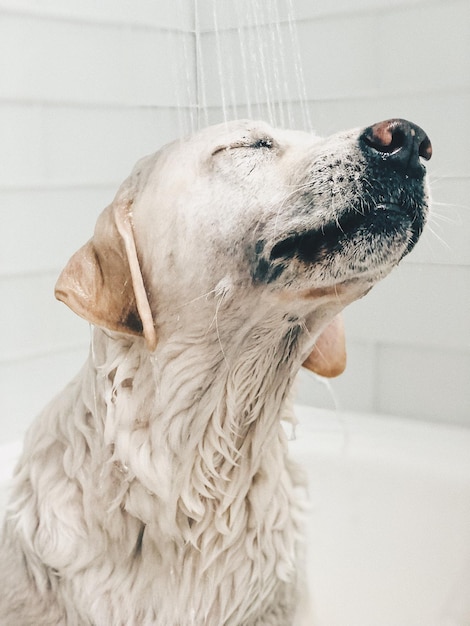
<point>387,199</point>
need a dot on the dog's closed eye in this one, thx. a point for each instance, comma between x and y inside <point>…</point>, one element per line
<point>258,143</point>
<point>263,142</point>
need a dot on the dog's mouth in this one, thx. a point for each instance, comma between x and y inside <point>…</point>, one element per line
<point>356,243</point>
<point>382,221</point>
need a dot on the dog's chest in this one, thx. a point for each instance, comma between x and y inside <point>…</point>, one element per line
<point>229,569</point>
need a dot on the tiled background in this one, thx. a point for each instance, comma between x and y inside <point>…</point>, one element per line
<point>86,88</point>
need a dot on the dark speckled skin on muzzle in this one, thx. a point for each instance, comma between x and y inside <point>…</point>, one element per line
<point>388,196</point>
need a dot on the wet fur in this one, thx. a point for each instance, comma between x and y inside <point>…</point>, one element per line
<point>156,489</point>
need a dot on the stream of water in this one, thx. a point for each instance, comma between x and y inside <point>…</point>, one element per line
<point>243,59</point>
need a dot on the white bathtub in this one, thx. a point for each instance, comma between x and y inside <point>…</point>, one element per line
<point>389,531</point>
<point>389,528</point>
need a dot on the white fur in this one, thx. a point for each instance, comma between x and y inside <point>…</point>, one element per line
<point>156,489</point>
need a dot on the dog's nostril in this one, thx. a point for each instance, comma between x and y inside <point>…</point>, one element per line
<point>399,141</point>
<point>425,148</point>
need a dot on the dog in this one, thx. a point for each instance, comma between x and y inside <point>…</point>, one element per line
<point>156,489</point>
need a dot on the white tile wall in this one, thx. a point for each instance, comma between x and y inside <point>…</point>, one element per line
<point>305,9</point>
<point>87,88</point>
<point>31,218</point>
<point>36,322</point>
<point>63,60</point>
<point>174,14</point>
<point>424,382</point>
<point>232,15</point>
<point>423,305</point>
<point>28,384</point>
<point>102,142</point>
<point>21,158</point>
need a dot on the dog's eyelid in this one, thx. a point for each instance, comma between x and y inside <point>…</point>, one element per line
<point>219,149</point>
<point>247,143</point>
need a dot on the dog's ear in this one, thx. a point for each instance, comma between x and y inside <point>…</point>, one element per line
<point>103,283</point>
<point>328,357</point>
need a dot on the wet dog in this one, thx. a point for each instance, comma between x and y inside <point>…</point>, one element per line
<point>156,489</point>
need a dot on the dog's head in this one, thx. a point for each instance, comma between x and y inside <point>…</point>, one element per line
<point>264,218</point>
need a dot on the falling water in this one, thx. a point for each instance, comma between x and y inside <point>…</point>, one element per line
<point>243,60</point>
<point>299,75</point>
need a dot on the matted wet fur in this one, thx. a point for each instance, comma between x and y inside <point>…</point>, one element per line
<point>156,489</point>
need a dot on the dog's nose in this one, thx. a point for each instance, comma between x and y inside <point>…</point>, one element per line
<point>401,143</point>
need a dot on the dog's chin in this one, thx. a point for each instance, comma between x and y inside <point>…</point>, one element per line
<point>358,246</point>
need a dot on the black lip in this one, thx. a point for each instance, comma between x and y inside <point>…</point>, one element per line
<point>382,220</point>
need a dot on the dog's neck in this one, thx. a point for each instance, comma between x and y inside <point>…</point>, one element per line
<point>180,461</point>
<point>193,425</point>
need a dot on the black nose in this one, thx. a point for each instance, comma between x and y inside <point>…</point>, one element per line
<point>400,143</point>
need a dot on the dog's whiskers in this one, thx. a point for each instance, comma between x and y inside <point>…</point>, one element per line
<point>221,294</point>
<point>447,205</point>
<point>204,295</point>
<point>438,237</point>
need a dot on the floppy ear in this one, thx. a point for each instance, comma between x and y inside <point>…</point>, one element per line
<point>328,357</point>
<point>103,283</point>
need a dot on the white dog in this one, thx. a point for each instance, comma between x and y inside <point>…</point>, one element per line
<point>156,489</point>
